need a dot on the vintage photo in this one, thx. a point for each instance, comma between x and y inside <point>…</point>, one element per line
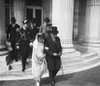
<point>49,42</point>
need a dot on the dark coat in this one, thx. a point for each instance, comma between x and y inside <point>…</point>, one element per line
<point>53,62</point>
<point>12,32</point>
<point>23,39</point>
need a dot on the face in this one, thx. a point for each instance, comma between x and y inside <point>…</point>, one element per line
<point>25,25</point>
<point>49,28</point>
<point>40,39</point>
<point>54,35</point>
<point>13,22</point>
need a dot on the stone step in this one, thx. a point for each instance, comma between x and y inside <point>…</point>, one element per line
<point>70,65</point>
<point>83,66</point>
<point>67,62</point>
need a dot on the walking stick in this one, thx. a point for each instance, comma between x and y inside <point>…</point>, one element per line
<point>62,68</point>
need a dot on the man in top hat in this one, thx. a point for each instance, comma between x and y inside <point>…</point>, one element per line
<point>43,27</point>
<point>53,51</point>
<point>23,38</point>
<point>11,36</point>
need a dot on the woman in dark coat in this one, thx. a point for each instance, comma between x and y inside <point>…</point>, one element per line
<point>53,52</point>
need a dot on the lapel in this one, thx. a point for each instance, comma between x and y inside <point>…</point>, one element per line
<point>52,40</point>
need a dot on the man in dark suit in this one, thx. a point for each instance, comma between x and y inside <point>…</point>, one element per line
<point>11,36</point>
<point>53,52</point>
<point>23,38</point>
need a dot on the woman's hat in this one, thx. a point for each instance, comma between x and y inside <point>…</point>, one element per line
<point>54,30</point>
<point>47,19</point>
<point>25,21</point>
<point>13,19</point>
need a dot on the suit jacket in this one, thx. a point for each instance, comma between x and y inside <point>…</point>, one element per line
<point>50,47</point>
<point>11,32</point>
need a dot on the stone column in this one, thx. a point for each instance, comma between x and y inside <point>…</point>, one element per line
<point>47,9</point>
<point>2,25</point>
<point>76,19</point>
<point>19,11</point>
<point>92,24</point>
<point>62,17</point>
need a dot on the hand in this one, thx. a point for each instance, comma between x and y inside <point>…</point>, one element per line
<point>55,54</point>
<point>60,53</point>
<point>17,47</point>
<point>17,30</point>
<point>31,44</point>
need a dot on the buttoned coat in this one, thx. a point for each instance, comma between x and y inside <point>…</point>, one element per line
<point>12,31</point>
<point>50,47</point>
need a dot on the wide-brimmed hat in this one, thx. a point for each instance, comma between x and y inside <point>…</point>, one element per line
<point>13,19</point>
<point>54,30</point>
<point>47,19</point>
<point>25,21</point>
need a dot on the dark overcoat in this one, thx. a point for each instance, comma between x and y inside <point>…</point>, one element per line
<point>12,32</point>
<point>53,62</point>
<point>24,39</point>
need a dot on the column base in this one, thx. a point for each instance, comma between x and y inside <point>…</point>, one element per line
<point>68,48</point>
<point>3,50</point>
<point>69,51</point>
<point>92,46</point>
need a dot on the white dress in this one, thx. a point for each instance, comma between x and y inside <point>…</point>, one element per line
<point>39,66</point>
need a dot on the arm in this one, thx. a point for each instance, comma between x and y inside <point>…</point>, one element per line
<point>8,33</point>
<point>46,48</point>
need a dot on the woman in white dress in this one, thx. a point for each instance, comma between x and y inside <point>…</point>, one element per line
<point>38,59</point>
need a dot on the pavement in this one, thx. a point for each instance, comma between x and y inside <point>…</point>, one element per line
<point>90,77</point>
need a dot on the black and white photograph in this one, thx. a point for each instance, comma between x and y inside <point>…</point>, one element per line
<point>49,42</point>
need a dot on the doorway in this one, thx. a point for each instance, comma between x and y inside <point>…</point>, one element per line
<point>34,12</point>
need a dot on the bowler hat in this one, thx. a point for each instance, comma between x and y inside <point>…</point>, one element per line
<point>25,21</point>
<point>54,30</point>
<point>47,19</point>
<point>13,19</point>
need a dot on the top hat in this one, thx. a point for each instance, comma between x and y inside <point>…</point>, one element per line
<point>54,30</point>
<point>25,21</point>
<point>13,19</point>
<point>49,24</point>
<point>47,19</point>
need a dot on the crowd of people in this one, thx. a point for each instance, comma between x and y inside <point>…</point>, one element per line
<point>42,44</point>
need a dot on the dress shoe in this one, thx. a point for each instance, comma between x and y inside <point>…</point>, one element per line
<point>10,67</point>
<point>23,70</point>
<point>52,83</point>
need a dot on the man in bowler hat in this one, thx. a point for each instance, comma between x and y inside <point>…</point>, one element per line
<point>11,36</point>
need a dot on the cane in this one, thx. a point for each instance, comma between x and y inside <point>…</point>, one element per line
<point>62,68</point>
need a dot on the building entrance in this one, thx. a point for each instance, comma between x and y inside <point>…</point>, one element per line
<point>34,12</point>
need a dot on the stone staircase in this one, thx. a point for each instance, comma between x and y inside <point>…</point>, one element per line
<point>71,63</point>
